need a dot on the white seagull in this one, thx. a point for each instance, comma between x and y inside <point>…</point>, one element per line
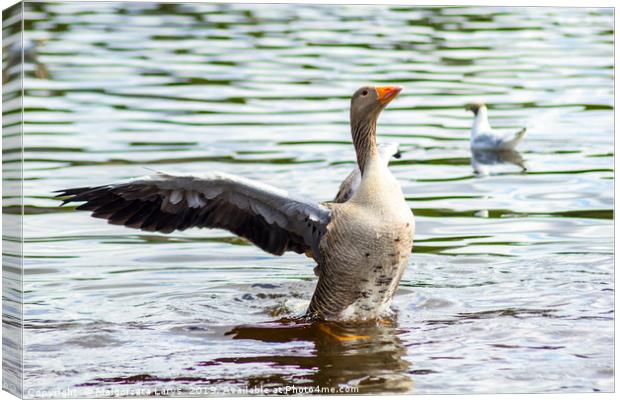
<point>482,135</point>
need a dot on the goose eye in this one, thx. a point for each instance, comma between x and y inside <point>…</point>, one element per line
<point>365,92</point>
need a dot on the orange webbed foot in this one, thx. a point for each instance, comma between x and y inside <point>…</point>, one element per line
<point>327,329</point>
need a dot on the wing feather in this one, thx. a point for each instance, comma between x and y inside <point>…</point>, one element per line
<point>263,214</point>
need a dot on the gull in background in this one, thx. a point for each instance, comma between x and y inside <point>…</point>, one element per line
<point>483,137</point>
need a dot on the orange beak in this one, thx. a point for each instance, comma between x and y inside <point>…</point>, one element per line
<point>385,94</point>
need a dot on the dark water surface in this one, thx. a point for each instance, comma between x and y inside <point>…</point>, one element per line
<point>510,286</point>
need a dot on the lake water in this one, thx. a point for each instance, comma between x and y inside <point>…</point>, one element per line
<point>510,284</point>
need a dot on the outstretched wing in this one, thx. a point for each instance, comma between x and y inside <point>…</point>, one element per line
<point>511,141</point>
<point>263,214</point>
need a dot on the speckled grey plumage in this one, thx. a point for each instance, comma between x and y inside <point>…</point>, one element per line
<point>367,244</point>
<point>365,250</point>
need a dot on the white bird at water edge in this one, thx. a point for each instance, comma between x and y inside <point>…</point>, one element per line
<point>483,137</point>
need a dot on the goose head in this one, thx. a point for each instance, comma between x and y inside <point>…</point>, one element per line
<point>368,101</point>
<point>366,105</point>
